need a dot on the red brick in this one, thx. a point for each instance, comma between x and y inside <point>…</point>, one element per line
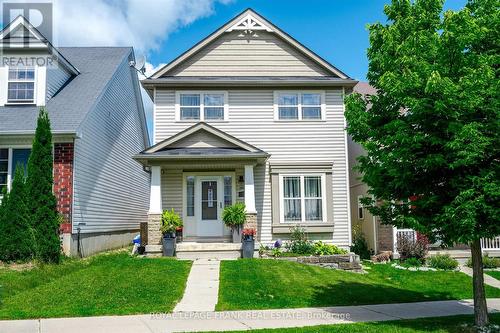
<point>63,178</point>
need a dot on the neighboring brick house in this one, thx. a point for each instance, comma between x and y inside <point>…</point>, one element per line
<point>92,95</point>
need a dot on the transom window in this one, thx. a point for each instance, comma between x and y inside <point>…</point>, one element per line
<point>302,198</point>
<point>21,86</point>
<point>299,105</point>
<point>204,106</point>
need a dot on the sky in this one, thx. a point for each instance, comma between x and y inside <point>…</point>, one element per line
<point>160,30</point>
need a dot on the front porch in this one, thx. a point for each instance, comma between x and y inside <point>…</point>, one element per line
<point>198,173</point>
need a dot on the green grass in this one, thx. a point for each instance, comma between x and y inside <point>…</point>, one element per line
<point>455,324</point>
<point>272,284</point>
<point>495,274</point>
<point>107,284</point>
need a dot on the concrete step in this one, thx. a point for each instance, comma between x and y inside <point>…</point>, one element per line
<point>211,255</point>
<point>202,247</point>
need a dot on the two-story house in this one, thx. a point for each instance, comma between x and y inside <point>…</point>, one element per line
<point>92,95</point>
<point>249,114</point>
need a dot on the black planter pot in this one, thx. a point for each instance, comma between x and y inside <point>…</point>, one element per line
<point>169,245</point>
<point>247,248</point>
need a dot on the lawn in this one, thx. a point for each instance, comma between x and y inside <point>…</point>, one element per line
<point>271,284</point>
<point>107,284</point>
<point>495,274</point>
<point>455,324</point>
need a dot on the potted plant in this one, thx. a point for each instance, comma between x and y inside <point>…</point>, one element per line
<point>248,247</point>
<point>234,217</point>
<point>170,221</point>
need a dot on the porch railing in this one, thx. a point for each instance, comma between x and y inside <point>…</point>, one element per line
<point>490,243</point>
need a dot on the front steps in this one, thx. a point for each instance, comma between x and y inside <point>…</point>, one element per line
<point>197,250</point>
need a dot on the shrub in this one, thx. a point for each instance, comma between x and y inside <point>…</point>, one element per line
<point>42,202</point>
<point>170,222</point>
<point>321,248</point>
<point>488,262</point>
<point>298,242</point>
<point>234,216</point>
<point>360,245</point>
<point>442,261</point>
<point>410,248</point>
<point>413,262</point>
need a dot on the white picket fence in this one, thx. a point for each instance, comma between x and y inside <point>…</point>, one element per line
<point>490,243</point>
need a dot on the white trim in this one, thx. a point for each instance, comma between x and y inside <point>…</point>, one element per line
<point>4,84</point>
<point>37,71</point>
<point>299,93</point>
<point>154,115</point>
<point>40,85</point>
<point>249,23</point>
<point>155,200</point>
<point>249,189</point>
<point>202,94</point>
<point>302,198</point>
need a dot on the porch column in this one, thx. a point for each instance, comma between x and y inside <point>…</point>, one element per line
<point>251,212</point>
<point>155,210</point>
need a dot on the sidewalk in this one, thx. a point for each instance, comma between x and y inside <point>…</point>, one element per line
<point>487,279</point>
<point>244,320</point>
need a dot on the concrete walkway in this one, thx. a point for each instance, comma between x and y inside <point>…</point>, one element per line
<point>244,320</point>
<point>202,287</point>
<point>489,280</point>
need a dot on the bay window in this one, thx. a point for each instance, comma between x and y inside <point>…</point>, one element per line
<point>201,106</point>
<point>21,85</point>
<point>302,198</point>
<point>299,105</point>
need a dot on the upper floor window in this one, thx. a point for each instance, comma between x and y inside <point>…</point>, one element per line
<point>21,86</point>
<point>299,105</point>
<point>202,106</point>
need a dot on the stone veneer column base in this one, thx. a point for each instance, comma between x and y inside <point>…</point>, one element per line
<point>154,234</point>
<point>251,222</point>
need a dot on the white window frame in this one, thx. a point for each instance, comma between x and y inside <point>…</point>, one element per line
<point>202,105</point>
<point>10,167</point>
<point>303,197</point>
<point>299,93</point>
<point>35,87</point>
<point>361,209</point>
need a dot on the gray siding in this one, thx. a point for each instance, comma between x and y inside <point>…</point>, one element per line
<point>251,118</point>
<point>111,190</point>
<point>56,78</point>
<point>234,54</point>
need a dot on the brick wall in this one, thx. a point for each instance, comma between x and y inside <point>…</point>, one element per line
<point>385,235</point>
<point>63,178</point>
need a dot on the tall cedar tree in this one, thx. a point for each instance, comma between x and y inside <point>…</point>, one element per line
<point>431,133</point>
<point>39,183</point>
<point>16,242</point>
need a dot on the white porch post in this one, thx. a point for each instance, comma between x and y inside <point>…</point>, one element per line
<point>155,191</point>
<point>249,190</point>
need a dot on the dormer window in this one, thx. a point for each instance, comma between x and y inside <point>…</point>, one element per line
<point>21,88</point>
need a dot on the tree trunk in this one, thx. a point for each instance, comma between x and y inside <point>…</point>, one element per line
<point>480,307</point>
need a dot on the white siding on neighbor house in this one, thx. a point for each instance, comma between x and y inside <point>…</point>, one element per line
<point>111,190</point>
<point>237,54</point>
<point>56,79</point>
<point>251,119</point>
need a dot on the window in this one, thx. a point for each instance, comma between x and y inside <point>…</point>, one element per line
<point>21,86</point>
<point>303,198</point>
<point>360,208</point>
<point>10,159</point>
<point>190,196</point>
<point>228,191</point>
<point>202,106</point>
<point>299,106</point>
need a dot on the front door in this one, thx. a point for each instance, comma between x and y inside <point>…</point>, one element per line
<point>210,205</point>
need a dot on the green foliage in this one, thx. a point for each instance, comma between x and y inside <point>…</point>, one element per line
<point>42,202</point>
<point>16,242</point>
<point>276,252</point>
<point>170,222</point>
<point>234,216</point>
<point>432,132</point>
<point>442,261</point>
<point>412,262</point>
<point>321,248</point>
<point>299,242</point>
<point>360,245</point>
<point>488,262</point>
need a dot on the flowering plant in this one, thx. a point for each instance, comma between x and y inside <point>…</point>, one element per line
<point>248,233</point>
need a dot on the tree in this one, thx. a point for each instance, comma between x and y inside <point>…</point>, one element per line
<point>40,180</point>
<point>431,133</point>
<point>16,242</point>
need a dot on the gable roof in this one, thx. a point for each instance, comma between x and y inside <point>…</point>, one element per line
<point>69,107</point>
<point>198,127</point>
<point>36,40</point>
<point>250,20</point>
